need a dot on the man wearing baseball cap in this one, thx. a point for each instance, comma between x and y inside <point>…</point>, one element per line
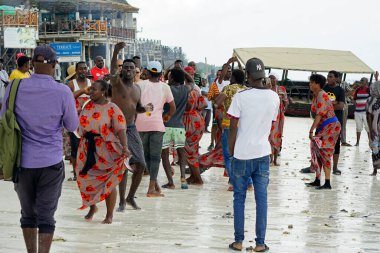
<point>254,110</point>
<point>151,125</point>
<point>42,107</point>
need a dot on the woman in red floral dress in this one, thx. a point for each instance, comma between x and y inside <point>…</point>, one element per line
<point>275,137</point>
<point>327,130</point>
<point>194,126</point>
<point>102,150</point>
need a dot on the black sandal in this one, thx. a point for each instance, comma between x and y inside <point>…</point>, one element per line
<point>233,247</point>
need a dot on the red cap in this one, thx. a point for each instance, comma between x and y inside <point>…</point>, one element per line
<point>19,55</point>
<point>189,70</point>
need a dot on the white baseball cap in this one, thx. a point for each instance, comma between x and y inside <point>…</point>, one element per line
<point>155,67</point>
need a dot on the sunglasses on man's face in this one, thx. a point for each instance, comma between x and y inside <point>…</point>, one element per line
<point>137,72</point>
<point>120,65</point>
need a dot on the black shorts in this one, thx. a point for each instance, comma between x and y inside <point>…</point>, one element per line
<point>135,146</point>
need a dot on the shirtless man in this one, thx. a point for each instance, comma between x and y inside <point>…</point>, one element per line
<point>126,94</point>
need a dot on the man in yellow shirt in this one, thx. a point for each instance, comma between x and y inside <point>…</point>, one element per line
<point>22,71</point>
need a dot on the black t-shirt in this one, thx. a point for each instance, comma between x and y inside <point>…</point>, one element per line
<point>336,94</point>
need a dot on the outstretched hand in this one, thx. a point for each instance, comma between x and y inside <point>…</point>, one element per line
<point>119,46</point>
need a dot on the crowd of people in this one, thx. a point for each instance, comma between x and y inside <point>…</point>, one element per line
<point>131,118</point>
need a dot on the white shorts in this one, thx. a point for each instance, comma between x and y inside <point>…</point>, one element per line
<point>361,120</point>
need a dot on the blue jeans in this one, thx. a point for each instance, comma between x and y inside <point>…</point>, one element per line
<point>226,152</point>
<point>241,172</point>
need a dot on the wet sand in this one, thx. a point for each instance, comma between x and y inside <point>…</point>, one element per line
<point>300,219</point>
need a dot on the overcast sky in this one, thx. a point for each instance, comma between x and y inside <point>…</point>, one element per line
<point>212,28</point>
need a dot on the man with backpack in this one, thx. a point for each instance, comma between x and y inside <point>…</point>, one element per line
<point>42,106</point>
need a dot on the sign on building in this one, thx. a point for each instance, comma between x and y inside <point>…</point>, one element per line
<point>20,37</point>
<point>68,52</point>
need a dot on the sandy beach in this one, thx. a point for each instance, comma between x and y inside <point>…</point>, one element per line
<point>344,219</point>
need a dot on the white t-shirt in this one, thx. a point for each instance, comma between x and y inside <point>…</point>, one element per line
<point>222,85</point>
<point>256,109</point>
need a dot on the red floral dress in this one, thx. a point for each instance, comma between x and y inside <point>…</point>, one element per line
<point>275,137</point>
<point>194,126</point>
<point>214,158</point>
<point>322,147</point>
<point>106,120</point>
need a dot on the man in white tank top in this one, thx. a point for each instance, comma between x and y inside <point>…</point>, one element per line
<point>80,86</point>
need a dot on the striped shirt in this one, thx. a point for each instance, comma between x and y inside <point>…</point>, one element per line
<point>360,96</point>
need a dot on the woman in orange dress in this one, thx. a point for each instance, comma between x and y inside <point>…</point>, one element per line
<point>101,152</point>
<point>327,130</point>
<point>275,138</point>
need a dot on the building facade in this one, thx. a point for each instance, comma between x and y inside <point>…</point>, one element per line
<point>79,29</point>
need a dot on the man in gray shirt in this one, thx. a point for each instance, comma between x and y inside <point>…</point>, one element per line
<point>175,129</point>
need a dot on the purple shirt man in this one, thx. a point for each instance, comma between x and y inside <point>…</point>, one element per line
<point>42,108</point>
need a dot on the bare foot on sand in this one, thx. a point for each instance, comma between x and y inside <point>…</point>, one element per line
<point>250,188</point>
<point>132,203</point>
<point>154,194</point>
<point>90,215</point>
<point>107,220</point>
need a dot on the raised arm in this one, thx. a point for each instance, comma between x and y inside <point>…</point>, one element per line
<point>189,81</point>
<point>114,68</point>
<point>225,68</point>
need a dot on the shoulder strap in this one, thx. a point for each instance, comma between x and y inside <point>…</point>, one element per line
<point>12,94</point>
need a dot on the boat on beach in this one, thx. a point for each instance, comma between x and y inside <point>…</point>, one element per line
<point>308,60</point>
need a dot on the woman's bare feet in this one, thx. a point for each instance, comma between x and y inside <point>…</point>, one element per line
<point>107,220</point>
<point>90,215</point>
<point>190,179</point>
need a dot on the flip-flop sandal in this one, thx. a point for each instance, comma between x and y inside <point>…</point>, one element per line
<point>251,248</point>
<point>184,186</point>
<point>232,246</point>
